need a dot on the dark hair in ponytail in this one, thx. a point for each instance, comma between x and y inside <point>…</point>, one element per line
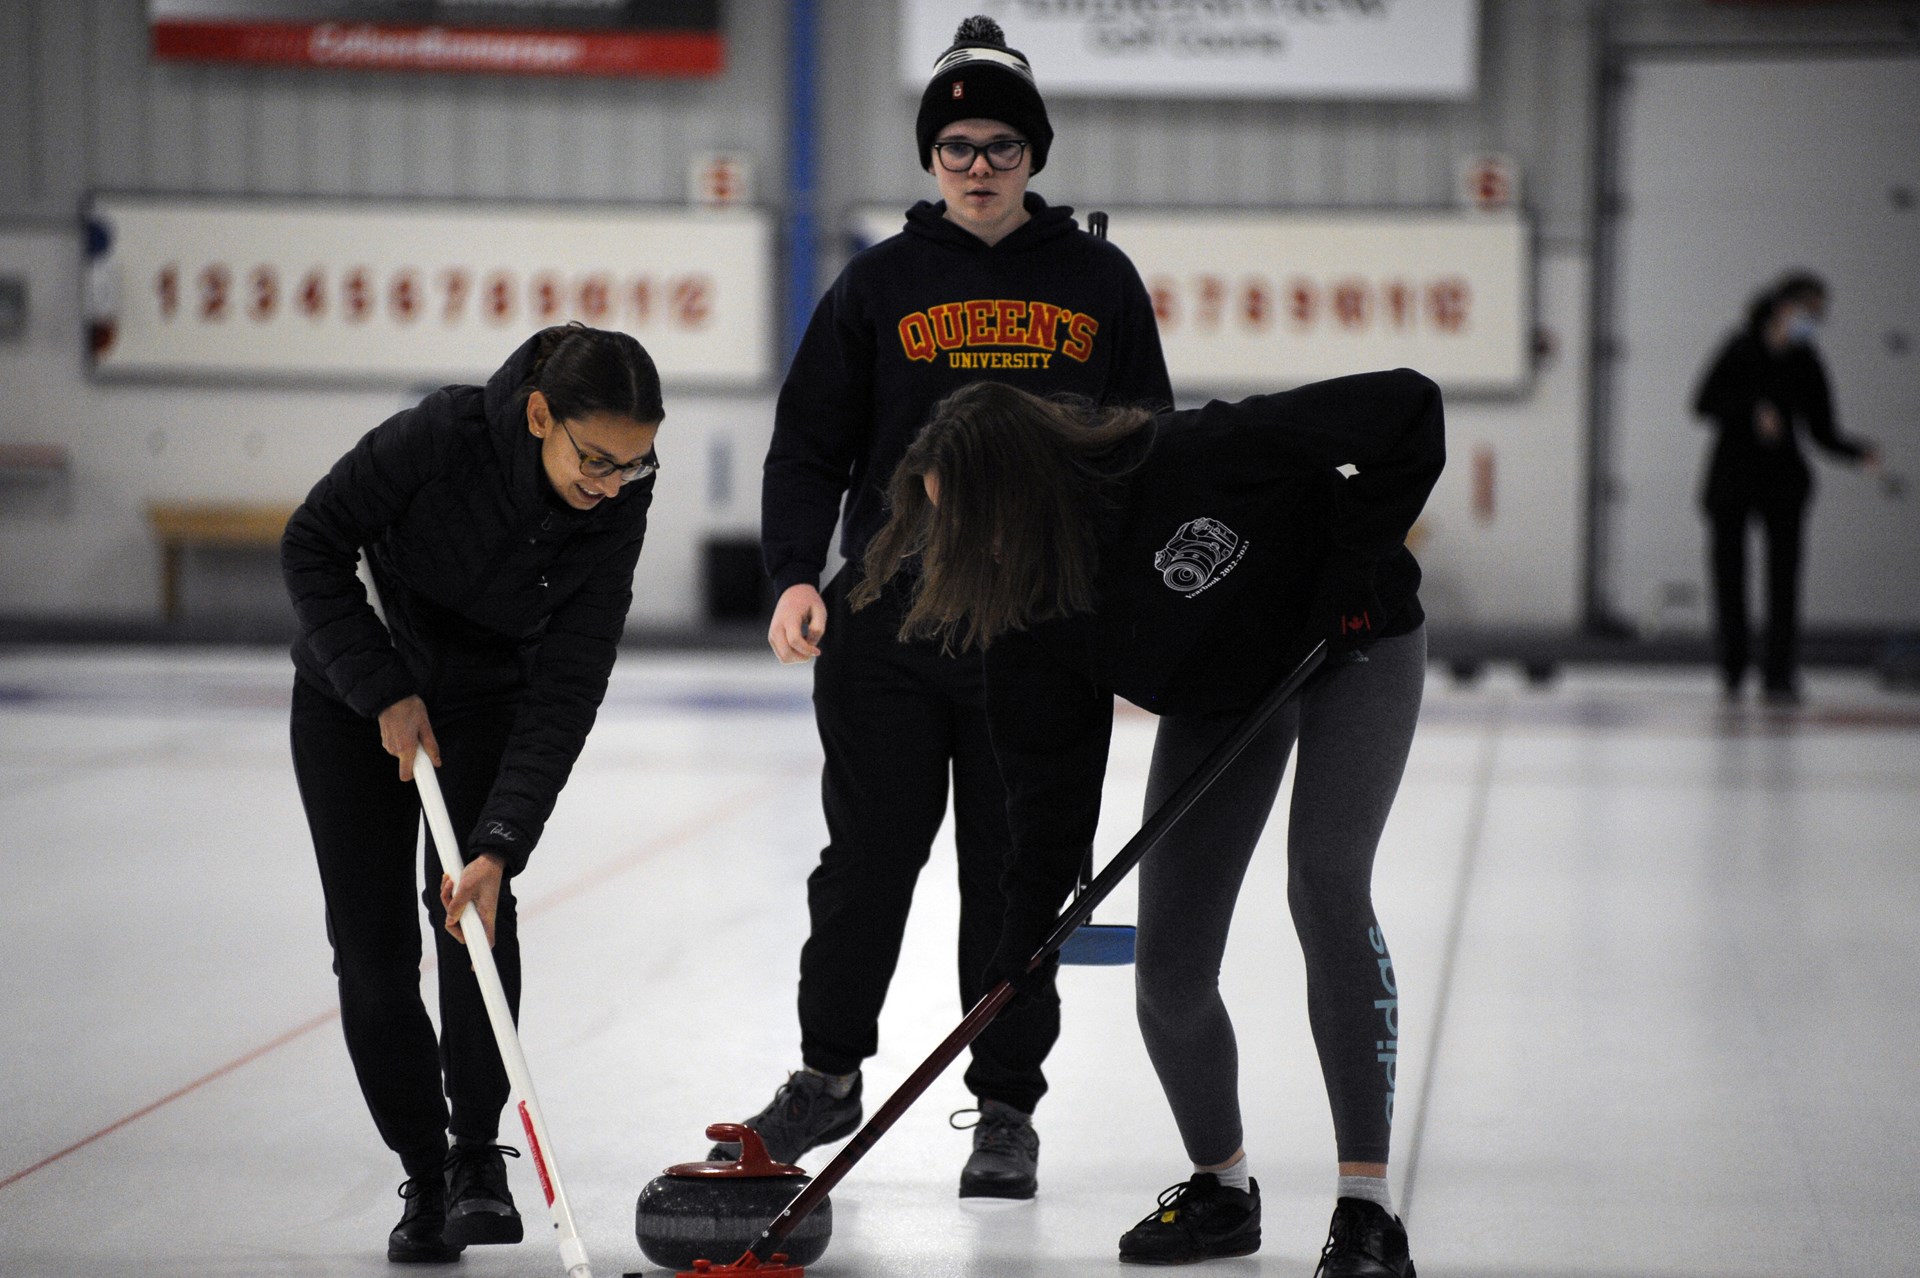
<point>583,371</point>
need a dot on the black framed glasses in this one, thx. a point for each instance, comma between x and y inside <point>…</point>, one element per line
<point>599,467</point>
<point>957,157</point>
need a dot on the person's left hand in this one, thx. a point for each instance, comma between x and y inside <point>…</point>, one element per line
<point>480,884</point>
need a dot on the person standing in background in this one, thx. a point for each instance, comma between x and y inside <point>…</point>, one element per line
<point>990,282</point>
<point>1764,386</point>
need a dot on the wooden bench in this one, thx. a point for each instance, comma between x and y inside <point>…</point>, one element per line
<point>194,525</point>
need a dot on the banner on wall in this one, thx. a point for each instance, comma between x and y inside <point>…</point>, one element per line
<point>1218,48</point>
<point>500,37</point>
<point>1251,302</point>
<point>373,292</point>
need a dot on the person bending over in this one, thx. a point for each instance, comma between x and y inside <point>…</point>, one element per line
<point>1185,561</point>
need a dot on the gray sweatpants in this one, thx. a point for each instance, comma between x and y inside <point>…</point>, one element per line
<point>1354,723</point>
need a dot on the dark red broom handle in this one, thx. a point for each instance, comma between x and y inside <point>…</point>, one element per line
<point>1078,911</point>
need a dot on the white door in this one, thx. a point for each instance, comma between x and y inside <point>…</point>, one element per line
<point>1733,171</point>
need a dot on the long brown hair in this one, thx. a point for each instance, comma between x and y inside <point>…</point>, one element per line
<point>1014,540</point>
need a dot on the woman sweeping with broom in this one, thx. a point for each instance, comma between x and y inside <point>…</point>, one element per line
<point>1183,561</point>
<point>502,524</point>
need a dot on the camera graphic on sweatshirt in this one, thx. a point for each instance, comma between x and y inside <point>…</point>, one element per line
<point>1200,553</point>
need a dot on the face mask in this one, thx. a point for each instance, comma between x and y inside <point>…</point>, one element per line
<point>1801,328</point>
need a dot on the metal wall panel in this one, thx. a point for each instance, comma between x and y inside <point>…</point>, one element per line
<point>1535,103</point>
<point>84,108</point>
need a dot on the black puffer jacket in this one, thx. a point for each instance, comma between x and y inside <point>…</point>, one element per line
<point>491,585</point>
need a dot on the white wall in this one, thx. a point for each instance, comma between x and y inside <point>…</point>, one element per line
<point>1736,168</point>
<point>79,546</point>
<point>1521,565</point>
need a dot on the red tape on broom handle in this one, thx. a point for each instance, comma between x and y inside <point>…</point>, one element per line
<point>1077,912</point>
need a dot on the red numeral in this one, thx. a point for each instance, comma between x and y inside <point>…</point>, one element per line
<point>1399,303</point>
<point>640,296</point>
<point>215,282</point>
<point>1256,304</point>
<point>692,301</point>
<point>1447,303</point>
<point>403,297</point>
<point>265,293</point>
<point>1212,302</point>
<point>1166,300</point>
<point>500,297</point>
<point>1303,300</point>
<point>596,297</point>
<point>167,285</point>
<point>455,283</point>
<point>313,294</point>
<point>1351,303</point>
<point>546,296</point>
<point>356,296</point>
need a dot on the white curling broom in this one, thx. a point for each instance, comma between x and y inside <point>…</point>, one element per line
<point>573,1254</point>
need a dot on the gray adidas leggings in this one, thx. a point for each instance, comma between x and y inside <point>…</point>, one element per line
<point>1354,723</point>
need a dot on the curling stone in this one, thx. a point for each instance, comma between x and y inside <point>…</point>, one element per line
<point>715,1211</point>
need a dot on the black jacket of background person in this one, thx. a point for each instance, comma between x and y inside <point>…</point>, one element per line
<point>492,585</point>
<point>1234,531</point>
<point>914,318</point>
<point>1744,471</point>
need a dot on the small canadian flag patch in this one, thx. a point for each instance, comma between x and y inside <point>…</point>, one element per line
<point>959,88</point>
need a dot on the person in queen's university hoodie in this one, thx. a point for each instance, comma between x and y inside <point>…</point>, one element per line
<point>990,281</point>
<point>1186,562</point>
<point>501,525</point>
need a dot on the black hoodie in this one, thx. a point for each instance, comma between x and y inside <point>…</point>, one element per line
<point>490,582</point>
<point>1229,531</point>
<point>912,319</point>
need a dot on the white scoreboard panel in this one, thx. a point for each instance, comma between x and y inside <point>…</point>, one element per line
<point>1257,301</point>
<point>300,289</point>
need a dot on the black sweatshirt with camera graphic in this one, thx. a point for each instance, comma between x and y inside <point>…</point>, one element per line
<point>909,321</point>
<point>1236,543</point>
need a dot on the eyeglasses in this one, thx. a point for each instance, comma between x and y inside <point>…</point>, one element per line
<point>599,467</point>
<point>957,157</point>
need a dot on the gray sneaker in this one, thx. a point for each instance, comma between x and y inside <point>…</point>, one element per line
<point>802,1114</point>
<point>1006,1152</point>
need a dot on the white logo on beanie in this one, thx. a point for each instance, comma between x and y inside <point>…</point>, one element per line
<point>959,88</point>
<point>983,53</point>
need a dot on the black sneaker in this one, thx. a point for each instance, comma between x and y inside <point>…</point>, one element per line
<point>1198,1219</point>
<point>1364,1241</point>
<point>416,1239</point>
<point>1005,1161</point>
<point>479,1207</point>
<point>801,1115</point>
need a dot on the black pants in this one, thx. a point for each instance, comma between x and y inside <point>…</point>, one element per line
<point>1782,519</point>
<point>366,824</point>
<point>894,719</point>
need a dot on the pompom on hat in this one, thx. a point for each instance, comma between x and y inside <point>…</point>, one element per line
<point>980,78</point>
